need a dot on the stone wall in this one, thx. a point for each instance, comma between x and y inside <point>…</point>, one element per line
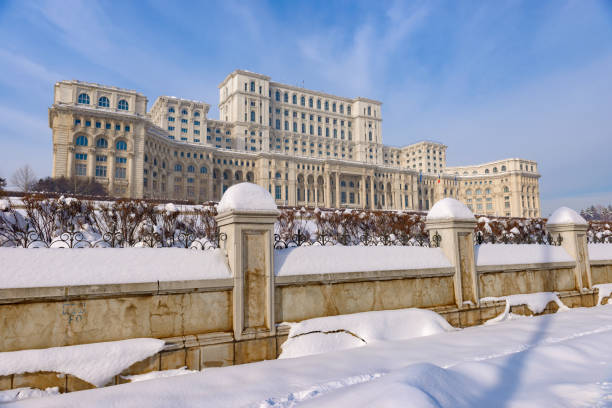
<point>214,323</point>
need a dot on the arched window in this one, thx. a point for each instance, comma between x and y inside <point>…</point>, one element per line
<point>478,191</point>
<point>494,169</point>
<point>487,191</point>
<point>184,112</point>
<point>252,116</point>
<point>146,158</point>
<point>318,104</point>
<point>203,170</point>
<point>103,102</point>
<point>503,168</point>
<point>83,99</point>
<point>102,143</point>
<point>303,101</point>
<point>277,175</point>
<point>326,105</point>
<point>278,123</point>
<point>286,97</point>
<point>178,167</point>
<point>486,171</point>
<point>171,110</point>
<point>277,96</point>
<point>252,86</point>
<point>506,189</point>
<point>196,114</point>
<point>310,102</point>
<point>191,169</point>
<point>348,110</point>
<point>343,183</point>
<point>341,108</point>
<point>121,145</point>
<point>122,105</point>
<point>81,141</point>
<point>294,99</point>
<point>468,192</point>
<point>334,107</point>
<point>369,110</point>
<point>286,125</point>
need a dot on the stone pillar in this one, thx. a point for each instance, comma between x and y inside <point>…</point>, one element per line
<point>572,228</point>
<point>249,249</point>
<point>91,163</point>
<point>70,165</point>
<point>372,181</point>
<point>327,190</point>
<point>455,224</point>
<point>362,194</point>
<point>110,162</point>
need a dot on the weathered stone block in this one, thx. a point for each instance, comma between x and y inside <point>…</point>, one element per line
<point>192,359</point>
<point>249,351</point>
<point>452,318</point>
<point>76,384</point>
<point>279,344</point>
<point>217,355</point>
<point>469,317</point>
<point>487,313</point>
<point>170,360</point>
<point>144,366</point>
<point>6,382</point>
<point>40,380</point>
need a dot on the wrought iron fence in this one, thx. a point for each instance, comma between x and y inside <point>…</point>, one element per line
<point>594,239</point>
<point>74,238</point>
<point>364,239</point>
<point>548,239</point>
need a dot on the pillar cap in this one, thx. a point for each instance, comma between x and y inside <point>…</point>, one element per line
<point>449,209</point>
<point>246,197</point>
<point>565,216</point>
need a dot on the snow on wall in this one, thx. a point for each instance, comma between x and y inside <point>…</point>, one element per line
<point>96,363</point>
<point>46,267</point>
<point>325,334</point>
<point>536,302</point>
<point>308,260</point>
<point>514,254</point>
<point>600,252</point>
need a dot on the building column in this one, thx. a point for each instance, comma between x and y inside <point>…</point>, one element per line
<point>91,163</point>
<point>337,189</point>
<point>110,162</point>
<point>372,206</point>
<point>362,194</point>
<point>70,169</point>
<point>327,190</point>
<point>130,174</point>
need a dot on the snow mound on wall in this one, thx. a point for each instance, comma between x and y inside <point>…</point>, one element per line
<point>308,260</point>
<point>600,252</point>
<point>246,196</point>
<point>604,290</point>
<point>47,267</point>
<point>449,208</point>
<point>96,363</point>
<point>325,334</point>
<point>565,215</point>
<point>502,254</point>
<point>536,302</point>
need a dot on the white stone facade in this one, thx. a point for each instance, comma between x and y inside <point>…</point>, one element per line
<point>306,147</point>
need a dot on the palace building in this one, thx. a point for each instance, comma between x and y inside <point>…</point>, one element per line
<point>308,148</point>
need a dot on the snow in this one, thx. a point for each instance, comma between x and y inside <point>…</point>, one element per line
<point>565,215</point>
<point>96,363</point>
<point>158,374</point>
<point>604,290</point>
<point>555,360</point>
<point>246,196</point>
<point>536,302</point>
<point>308,260</point>
<point>325,334</point>
<point>600,252</point>
<point>514,254</point>
<point>26,392</point>
<point>449,208</point>
<point>21,267</point>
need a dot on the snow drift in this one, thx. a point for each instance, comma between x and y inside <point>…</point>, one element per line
<point>325,334</point>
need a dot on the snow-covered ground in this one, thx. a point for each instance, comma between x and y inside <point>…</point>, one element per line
<point>559,360</point>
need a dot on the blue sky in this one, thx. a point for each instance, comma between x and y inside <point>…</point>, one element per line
<point>490,79</point>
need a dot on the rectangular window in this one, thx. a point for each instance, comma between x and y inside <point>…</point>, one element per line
<point>117,127</point>
<point>88,123</point>
<point>101,158</point>
<point>81,156</point>
<point>80,169</point>
<point>100,171</point>
<point>107,126</point>
<point>183,120</point>
<point>196,132</point>
<point>121,160</point>
<point>77,121</point>
<point>99,125</point>
<point>343,197</point>
<point>120,172</point>
<point>183,130</point>
<point>196,122</point>
<point>127,128</point>
<point>277,192</point>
